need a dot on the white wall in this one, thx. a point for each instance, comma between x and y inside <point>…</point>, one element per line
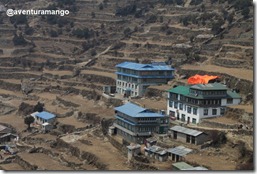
<point>235,102</point>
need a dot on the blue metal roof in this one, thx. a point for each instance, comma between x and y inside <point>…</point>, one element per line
<point>145,77</point>
<point>133,110</point>
<point>144,67</point>
<point>45,115</point>
<point>129,122</point>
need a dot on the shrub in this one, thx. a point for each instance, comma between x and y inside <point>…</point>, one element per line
<point>53,33</point>
<point>152,19</point>
<point>218,138</point>
<point>93,52</point>
<point>18,19</point>
<point>19,40</point>
<point>127,31</point>
<point>245,12</point>
<point>127,10</point>
<point>101,6</point>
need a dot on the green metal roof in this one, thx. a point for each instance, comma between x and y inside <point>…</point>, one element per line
<point>184,90</point>
<point>181,165</point>
<point>233,94</point>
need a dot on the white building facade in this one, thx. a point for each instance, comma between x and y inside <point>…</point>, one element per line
<point>192,103</point>
<point>134,78</point>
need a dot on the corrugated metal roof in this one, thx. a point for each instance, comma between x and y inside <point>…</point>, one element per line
<point>196,168</point>
<point>233,95</point>
<point>180,150</point>
<point>2,127</point>
<point>183,90</point>
<point>34,114</point>
<point>182,165</point>
<point>144,67</point>
<point>187,131</point>
<point>154,148</point>
<point>134,146</point>
<point>133,110</point>
<point>162,152</point>
<point>210,86</point>
<point>45,115</point>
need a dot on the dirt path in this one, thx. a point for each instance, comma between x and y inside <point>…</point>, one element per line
<point>187,3</point>
<point>103,52</point>
<point>236,72</point>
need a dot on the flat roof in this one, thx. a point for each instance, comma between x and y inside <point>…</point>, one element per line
<point>2,127</point>
<point>134,110</point>
<point>187,131</point>
<point>135,146</point>
<point>154,148</point>
<point>182,165</point>
<point>210,86</point>
<point>150,140</point>
<point>180,150</point>
<point>145,67</point>
<point>45,115</point>
<point>196,168</point>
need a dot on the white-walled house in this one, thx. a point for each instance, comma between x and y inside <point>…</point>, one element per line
<point>192,103</point>
<point>43,117</point>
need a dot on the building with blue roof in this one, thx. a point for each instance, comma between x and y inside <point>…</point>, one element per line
<point>192,103</point>
<point>136,124</point>
<point>43,117</point>
<point>134,78</point>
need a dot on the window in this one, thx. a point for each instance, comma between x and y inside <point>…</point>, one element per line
<point>205,112</point>
<point>183,117</point>
<point>195,111</point>
<point>214,111</point>
<point>175,134</point>
<point>189,109</point>
<point>229,100</point>
<point>172,113</point>
<point>194,121</point>
<point>176,105</point>
<point>193,140</point>
<point>181,106</point>
<point>222,111</point>
<point>188,139</point>
<point>171,103</point>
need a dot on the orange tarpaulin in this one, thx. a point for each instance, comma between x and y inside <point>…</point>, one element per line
<point>198,79</point>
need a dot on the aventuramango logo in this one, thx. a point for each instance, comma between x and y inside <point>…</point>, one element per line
<point>12,12</point>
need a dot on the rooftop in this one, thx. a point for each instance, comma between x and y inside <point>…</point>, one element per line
<point>45,115</point>
<point>180,150</point>
<point>144,67</point>
<point>135,146</point>
<point>187,131</point>
<point>182,165</point>
<point>196,168</point>
<point>184,90</point>
<point>134,110</point>
<point>210,86</point>
<point>2,127</point>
